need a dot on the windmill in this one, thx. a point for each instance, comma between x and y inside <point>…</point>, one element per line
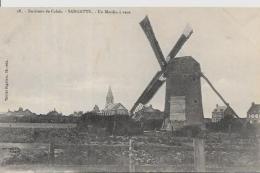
<point>183,100</point>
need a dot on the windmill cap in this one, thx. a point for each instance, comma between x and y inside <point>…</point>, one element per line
<point>187,30</point>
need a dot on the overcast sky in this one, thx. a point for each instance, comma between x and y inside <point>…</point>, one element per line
<point>67,61</point>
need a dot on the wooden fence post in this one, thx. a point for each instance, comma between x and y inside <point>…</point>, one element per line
<point>199,155</point>
<point>258,149</point>
<point>51,153</point>
<point>114,127</point>
<point>229,130</point>
<point>131,160</point>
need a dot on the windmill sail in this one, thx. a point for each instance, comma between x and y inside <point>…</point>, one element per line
<point>150,90</point>
<point>159,77</point>
<point>148,30</point>
<point>183,38</point>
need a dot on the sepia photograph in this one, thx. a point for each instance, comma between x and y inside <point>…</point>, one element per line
<point>134,89</point>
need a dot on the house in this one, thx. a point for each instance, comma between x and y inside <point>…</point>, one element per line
<point>96,109</point>
<point>112,108</point>
<point>149,117</point>
<point>53,113</point>
<point>218,113</point>
<point>148,113</point>
<point>77,114</point>
<point>20,112</point>
<point>253,114</point>
<point>115,109</point>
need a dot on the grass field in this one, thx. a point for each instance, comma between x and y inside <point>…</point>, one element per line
<point>28,144</point>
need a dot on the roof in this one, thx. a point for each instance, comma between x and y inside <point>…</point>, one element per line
<point>53,113</point>
<point>109,93</point>
<point>148,109</point>
<point>219,108</point>
<point>114,106</point>
<point>110,97</point>
<point>184,58</point>
<point>96,109</point>
<point>148,112</point>
<point>254,109</point>
<point>20,112</point>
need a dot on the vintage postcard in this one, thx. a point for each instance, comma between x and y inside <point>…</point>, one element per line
<point>129,89</point>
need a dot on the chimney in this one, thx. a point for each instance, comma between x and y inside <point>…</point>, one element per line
<point>253,103</point>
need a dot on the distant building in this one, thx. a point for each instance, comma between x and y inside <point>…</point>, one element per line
<point>150,118</point>
<point>77,113</point>
<point>115,109</point>
<point>110,97</point>
<point>148,113</point>
<point>253,114</point>
<point>20,112</point>
<point>112,108</point>
<point>218,113</point>
<point>96,109</point>
<point>54,113</point>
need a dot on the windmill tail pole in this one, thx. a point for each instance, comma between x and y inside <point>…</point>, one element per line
<point>218,94</point>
